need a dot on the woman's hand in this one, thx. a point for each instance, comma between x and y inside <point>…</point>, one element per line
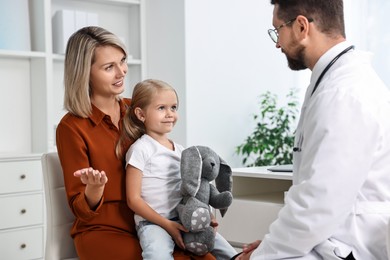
<point>95,181</point>
<point>89,176</point>
<point>174,229</point>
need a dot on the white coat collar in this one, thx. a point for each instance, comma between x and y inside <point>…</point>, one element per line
<point>324,61</point>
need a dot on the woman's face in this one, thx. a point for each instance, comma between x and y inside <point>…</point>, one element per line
<point>108,72</point>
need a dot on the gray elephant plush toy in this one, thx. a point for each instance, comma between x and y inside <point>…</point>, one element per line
<point>200,166</point>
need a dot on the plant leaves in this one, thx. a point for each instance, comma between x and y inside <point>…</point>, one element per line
<point>272,140</point>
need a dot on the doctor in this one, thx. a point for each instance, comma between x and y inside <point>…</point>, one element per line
<point>339,204</point>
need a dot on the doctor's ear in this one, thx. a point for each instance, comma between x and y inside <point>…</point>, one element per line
<point>303,25</point>
<point>139,114</point>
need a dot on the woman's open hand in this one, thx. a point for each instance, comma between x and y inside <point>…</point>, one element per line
<point>91,177</point>
<point>95,182</point>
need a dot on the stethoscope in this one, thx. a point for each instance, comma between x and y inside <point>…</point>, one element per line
<point>298,147</point>
<point>330,65</point>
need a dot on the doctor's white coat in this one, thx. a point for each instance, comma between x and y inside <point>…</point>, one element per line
<point>340,199</point>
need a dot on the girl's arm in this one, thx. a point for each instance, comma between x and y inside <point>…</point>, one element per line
<point>140,207</point>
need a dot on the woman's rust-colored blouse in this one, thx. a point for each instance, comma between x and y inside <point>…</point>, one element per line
<point>90,142</point>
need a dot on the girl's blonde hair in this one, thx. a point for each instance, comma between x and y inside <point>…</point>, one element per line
<point>79,57</point>
<point>132,127</point>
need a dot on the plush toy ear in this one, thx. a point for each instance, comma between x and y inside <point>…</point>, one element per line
<point>224,180</point>
<point>191,171</point>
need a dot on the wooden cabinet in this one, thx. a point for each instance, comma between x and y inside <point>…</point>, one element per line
<point>32,77</point>
<point>22,208</point>
<point>258,197</point>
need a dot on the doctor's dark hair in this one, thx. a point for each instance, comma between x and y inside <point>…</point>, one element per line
<point>132,127</point>
<point>328,15</point>
<point>79,57</point>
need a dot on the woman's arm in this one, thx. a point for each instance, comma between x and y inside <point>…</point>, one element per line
<point>95,181</point>
<point>74,156</point>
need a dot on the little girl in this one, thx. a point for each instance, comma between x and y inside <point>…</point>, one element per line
<point>153,171</point>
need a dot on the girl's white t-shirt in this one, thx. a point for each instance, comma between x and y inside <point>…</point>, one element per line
<point>161,177</point>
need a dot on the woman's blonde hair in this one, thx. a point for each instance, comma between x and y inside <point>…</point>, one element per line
<point>79,57</point>
<point>143,93</point>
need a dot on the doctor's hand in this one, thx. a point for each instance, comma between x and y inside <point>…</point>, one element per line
<point>247,250</point>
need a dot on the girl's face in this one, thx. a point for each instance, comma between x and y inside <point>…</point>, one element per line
<point>160,115</point>
<point>108,72</point>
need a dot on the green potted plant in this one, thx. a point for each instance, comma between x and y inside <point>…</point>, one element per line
<point>272,140</point>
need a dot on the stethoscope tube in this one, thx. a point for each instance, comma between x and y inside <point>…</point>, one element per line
<point>299,144</point>
<point>330,65</point>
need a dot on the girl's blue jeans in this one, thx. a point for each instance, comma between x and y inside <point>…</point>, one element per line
<point>156,243</point>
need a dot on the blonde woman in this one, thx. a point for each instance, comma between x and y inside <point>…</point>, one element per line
<point>95,69</point>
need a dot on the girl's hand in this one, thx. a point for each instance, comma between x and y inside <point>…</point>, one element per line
<point>174,229</point>
<point>89,176</point>
<point>214,223</point>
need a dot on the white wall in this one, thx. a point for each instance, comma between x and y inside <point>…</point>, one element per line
<point>367,27</point>
<point>165,45</point>
<point>229,61</point>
